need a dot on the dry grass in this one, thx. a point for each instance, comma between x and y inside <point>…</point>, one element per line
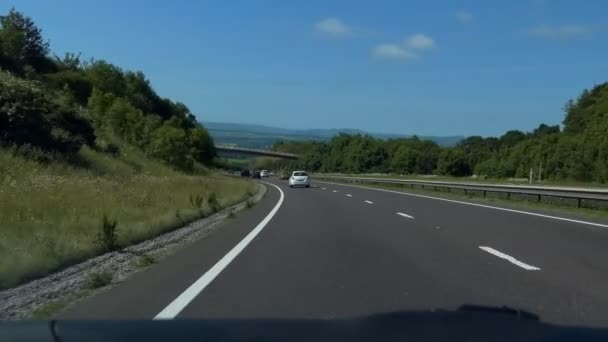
<point>506,181</point>
<point>51,214</point>
<point>557,208</point>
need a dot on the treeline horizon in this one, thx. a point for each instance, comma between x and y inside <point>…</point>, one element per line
<point>578,152</point>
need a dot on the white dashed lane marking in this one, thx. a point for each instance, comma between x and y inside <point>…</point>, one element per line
<point>405,215</point>
<point>509,258</point>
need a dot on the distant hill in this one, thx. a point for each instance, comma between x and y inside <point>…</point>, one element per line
<point>259,136</point>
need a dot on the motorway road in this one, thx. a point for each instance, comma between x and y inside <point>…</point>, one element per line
<point>342,251</point>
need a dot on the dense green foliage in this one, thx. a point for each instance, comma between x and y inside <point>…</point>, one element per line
<point>56,105</point>
<point>91,158</point>
<point>579,152</point>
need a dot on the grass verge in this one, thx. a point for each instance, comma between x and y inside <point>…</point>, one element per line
<point>500,200</point>
<point>49,310</point>
<point>505,181</point>
<point>53,214</point>
<point>96,280</point>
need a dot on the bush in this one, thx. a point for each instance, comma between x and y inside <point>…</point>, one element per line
<point>28,117</point>
<point>107,238</point>
<point>178,216</point>
<point>22,108</point>
<point>213,202</point>
<point>96,280</point>
<point>75,81</point>
<point>112,150</point>
<point>32,153</point>
<point>102,145</point>
<point>171,145</point>
<point>144,260</point>
<point>452,162</point>
<point>196,201</point>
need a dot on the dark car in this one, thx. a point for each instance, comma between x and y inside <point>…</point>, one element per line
<point>245,173</point>
<point>256,175</point>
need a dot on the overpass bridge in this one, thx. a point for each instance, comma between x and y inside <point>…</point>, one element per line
<point>255,152</point>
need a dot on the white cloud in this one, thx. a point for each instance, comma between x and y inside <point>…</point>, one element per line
<point>405,49</point>
<point>559,32</point>
<point>419,41</point>
<point>464,17</point>
<point>393,51</point>
<point>333,27</point>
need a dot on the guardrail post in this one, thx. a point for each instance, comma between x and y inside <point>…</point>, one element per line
<point>449,190</point>
<point>578,202</point>
<point>508,195</point>
<point>484,193</point>
<point>465,191</point>
<point>539,197</point>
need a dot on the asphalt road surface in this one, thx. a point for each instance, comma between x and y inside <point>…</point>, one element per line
<point>344,251</point>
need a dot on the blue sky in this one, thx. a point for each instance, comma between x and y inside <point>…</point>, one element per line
<point>424,67</point>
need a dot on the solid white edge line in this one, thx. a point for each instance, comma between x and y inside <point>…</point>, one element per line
<point>405,215</point>
<point>179,303</point>
<point>478,205</point>
<point>368,202</point>
<point>509,258</point>
<point>349,195</point>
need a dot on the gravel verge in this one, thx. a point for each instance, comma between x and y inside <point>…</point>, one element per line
<point>21,301</point>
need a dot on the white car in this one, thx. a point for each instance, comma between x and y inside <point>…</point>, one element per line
<point>264,173</point>
<point>299,178</point>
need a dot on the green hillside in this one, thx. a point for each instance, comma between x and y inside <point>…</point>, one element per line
<point>91,158</point>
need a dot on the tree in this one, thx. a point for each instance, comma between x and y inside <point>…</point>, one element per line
<point>427,160</point>
<point>477,149</point>
<point>22,113</point>
<point>27,117</point>
<point>106,77</point>
<point>70,61</point>
<point>511,138</point>
<point>203,149</point>
<point>406,160</point>
<point>452,162</point>
<point>312,158</point>
<point>140,93</point>
<point>334,161</point>
<point>99,102</point>
<point>124,120</point>
<point>583,114</point>
<point>75,81</point>
<point>11,46</point>
<point>545,130</point>
<point>171,145</point>
<point>363,154</point>
<point>22,41</point>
